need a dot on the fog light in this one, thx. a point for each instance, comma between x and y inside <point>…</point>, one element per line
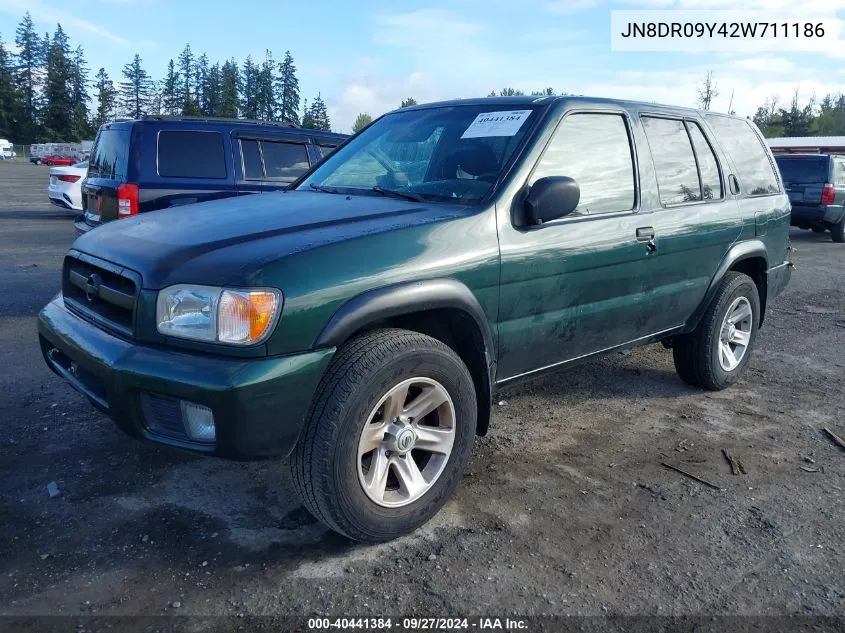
<point>199,422</point>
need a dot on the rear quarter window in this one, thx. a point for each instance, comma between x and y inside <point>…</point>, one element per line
<point>187,154</point>
<point>756,173</point>
<point>110,153</point>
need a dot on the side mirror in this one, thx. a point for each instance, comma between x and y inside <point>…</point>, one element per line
<point>551,198</point>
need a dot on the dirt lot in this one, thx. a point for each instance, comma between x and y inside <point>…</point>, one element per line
<point>566,508</point>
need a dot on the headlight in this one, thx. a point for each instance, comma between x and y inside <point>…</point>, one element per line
<point>208,313</point>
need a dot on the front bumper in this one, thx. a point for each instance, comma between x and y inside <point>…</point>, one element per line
<point>259,405</point>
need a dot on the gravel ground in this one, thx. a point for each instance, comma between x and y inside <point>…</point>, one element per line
<point>565,510</point>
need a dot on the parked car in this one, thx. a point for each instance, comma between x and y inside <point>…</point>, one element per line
<point>65,188</point>
<point>816,187</point>
<point>55,159</point>
<point>158,162</point>
<point>7,150</point>
<point>361,320</point>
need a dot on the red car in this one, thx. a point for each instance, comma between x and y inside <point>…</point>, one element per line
<point>59,161</point>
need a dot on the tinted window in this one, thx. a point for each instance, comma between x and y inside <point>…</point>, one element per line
<point>594,150</point>
<point>191,155</point>
<point>109,154</point>
<point>755,172</point>
<point>708,168</point>
<point>674,161</point>
<point>252,160</point>
<point>803,169</point>
<point>325,150</point>
<point>284,161</point>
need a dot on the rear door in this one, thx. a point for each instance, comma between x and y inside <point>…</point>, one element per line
<point>694,221</point>
<point>107,169</point>
<point>804,178</point>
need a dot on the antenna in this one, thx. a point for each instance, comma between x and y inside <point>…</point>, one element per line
<point>732,100</point>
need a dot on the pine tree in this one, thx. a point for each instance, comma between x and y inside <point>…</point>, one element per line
<point>410,101</point>
<point>171,102</point>
<point>8,95</point>
<point>106,97</point>
<point>27,76</point>
<point>287,91</point>
<point>201,83</point>
<point>187,74</point>
<point>58,100</point>
<point>211,92</point>
<point>79,95</point>
<point>265,97</point>
<point>307,117</point>
<point>361,122</point>
<point>229,89</point>
<point>317,116</point>
<point>249,89</point>
<point>135,92</point>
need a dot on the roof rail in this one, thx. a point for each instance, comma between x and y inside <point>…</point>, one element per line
<point>212,119</point>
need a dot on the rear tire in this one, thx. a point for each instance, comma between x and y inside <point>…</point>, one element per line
<point>717,353</point>
<point>357,427</point>
<point>837,231</point>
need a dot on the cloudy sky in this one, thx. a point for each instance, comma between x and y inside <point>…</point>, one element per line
<point>368,55</point>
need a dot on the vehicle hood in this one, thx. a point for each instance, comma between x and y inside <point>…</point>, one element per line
<point>229,241</point>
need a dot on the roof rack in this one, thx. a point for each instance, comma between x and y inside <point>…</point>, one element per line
<point>212,119</point>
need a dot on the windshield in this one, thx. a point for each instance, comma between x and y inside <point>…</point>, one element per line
<point>808,170</point>
<point>452,153</point>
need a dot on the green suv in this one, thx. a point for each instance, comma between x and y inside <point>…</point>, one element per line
<point>360,322</point>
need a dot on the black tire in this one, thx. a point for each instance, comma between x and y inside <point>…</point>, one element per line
<point>324,463</point>
<point>696,355</point>
<point>837,231</point>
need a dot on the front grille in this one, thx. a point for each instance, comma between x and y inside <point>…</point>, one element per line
<point>163,415</point>
<point>103,293</point>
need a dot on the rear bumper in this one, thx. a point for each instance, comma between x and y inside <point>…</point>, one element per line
<point>259,405</point>
<point>81,225</point>
<point>828,214</point>
<point>60,201</point>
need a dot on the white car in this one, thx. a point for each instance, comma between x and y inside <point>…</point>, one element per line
<point>65,188</point>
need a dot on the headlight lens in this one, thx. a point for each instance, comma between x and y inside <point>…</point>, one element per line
<point>208,313</point>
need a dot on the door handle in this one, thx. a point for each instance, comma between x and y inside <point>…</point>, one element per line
<point>646,234</point>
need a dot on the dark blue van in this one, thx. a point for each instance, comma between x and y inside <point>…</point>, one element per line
<point>157,162</point>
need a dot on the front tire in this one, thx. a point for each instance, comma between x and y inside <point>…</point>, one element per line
<point>388,437</point>
<point>717,353</point>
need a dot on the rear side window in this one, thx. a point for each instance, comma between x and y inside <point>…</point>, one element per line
<point>253,169</point>
<point>840,171</point>
<point>708,168</point>
<point>284,161</point>
<point>109,155</point>
<point>191,155</point>
<point>674,160</point>
<point>595,150</point>
<point>325,150</point>
<point>756,174</point>
<point>804,170</point>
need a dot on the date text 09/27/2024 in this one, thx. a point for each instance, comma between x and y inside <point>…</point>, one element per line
<point>417,624</point>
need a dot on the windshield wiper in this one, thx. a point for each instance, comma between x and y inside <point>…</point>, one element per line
<point>322,188</point>
<point>398,194</point>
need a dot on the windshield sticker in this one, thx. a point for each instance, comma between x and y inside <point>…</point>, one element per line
<point>505,123</point>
